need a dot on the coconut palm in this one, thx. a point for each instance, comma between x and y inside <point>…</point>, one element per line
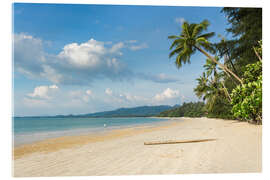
<point>192,39</point>
<point>214,91</point>
<point>208,90</point>
<point>211,69</point>
<point>202,86</point>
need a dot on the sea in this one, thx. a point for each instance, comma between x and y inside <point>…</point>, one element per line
<point>27,130</point>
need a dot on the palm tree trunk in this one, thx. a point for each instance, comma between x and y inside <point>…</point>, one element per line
<point>228,59</point>
<point>258,56</point>
<point>221,65</point>
<point>226,91</point>
<point>233,79</point>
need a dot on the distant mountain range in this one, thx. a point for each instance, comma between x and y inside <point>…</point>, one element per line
<point>141,111</point>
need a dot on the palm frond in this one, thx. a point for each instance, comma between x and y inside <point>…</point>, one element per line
<point>206,45</point>
<point>173,37</point>
<point>207,35</point>
<point>177,50</point>
<point>205,23</point>
<point>176,42</point>
<point>185,30</point>
<point>200,27</point>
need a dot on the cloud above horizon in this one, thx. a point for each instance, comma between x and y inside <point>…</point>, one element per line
<point>42,96</point>
<point>49,96</point>
<point>167,94</point>
<point>43,92</point>
<point>78,63</point>
<point>75,64</point>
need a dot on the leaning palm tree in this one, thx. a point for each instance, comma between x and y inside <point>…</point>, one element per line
<point>192,39</point>
<point>212,70</point>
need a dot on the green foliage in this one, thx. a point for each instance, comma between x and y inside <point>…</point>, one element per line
<point>221,109</point>
<point>241,54</point>
<point>247,98</point>
<point>222,94</point>
<point>246,28</point>
<point>211,90</point>
<point>186,110</point>
<point>190,38</point>
<point>253,71</point>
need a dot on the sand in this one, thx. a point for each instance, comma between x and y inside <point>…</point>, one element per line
<point>236,149</point>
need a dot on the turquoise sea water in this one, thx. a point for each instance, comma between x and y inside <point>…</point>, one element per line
<point>30,129</point>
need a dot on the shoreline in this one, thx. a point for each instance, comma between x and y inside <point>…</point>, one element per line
<point>68,141</point>
<point>237,148</point>
<point>27,138</point>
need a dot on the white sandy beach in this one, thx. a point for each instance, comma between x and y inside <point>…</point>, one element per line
<point>237,149</point>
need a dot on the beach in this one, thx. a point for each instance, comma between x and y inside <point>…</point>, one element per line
<point>236,148</point>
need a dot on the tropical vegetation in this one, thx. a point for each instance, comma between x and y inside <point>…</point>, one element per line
<point>186,110</point>
<point>231,84</point>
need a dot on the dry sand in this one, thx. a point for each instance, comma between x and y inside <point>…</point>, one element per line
<point>237,148</point>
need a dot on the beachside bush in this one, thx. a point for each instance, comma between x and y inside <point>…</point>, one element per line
<point>247,98</point>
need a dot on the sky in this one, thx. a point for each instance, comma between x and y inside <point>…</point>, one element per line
<point>75,59</point>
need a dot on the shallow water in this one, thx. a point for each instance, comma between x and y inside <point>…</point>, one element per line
<point>29,129</point>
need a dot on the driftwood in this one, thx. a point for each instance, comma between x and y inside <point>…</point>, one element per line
<point>175,142</point>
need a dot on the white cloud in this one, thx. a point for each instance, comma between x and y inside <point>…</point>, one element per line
<point>116,47</point>
<point>138,47</point>
<point>53,100</point>
<point>89,92</point>
<point>28,54</point>
<point>180,20</point>
<point>81,96</point>
<point>83,55</point>
<point>43,92</point>
<point>167,94</point>
<point>124,99</point>
<point>75,64</point>
<point>78,64</point>
<point>51,74</point>
<point>108,91</point>
<point>133,98</point>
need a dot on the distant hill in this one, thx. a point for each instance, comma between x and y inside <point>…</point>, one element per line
<point>141,111</point>
<point>132,112</point>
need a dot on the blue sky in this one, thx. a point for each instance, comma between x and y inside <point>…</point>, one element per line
<point>72,59</point>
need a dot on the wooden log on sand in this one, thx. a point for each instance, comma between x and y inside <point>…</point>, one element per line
<point>176,142</point>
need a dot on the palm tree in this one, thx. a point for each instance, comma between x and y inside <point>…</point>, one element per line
<point>211,69</point>
<point>202,86</point>
<point>214,92</point>
<point>192,39</point>
<point>209,91</point>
